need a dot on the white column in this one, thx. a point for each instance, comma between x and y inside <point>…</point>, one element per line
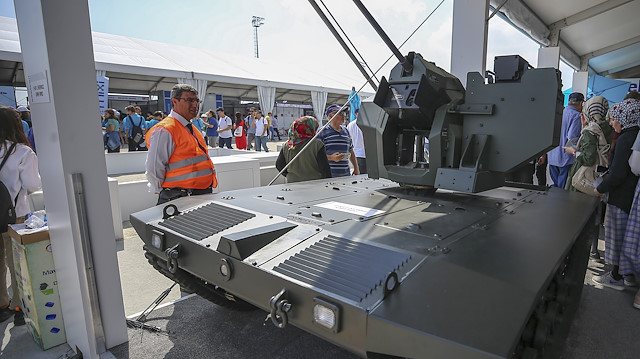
<point>549,57</point>
<point>55,37</point>
<point>469,38</point>
<point>580,82</point>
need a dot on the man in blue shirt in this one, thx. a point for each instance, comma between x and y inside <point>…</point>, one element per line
<point>157,117</point>
<point>337,143</point>
<point>559,160</point>
<point>211,123</point>
<point>132,124</point>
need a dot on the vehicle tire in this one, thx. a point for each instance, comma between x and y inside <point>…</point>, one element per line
<point>196,285</point>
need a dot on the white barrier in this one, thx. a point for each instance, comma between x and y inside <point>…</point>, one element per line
<point>133,162</point>
<point>36,203</point>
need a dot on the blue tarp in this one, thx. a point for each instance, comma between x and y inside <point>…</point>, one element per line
<point>354,104</point>
<point>611,89</point>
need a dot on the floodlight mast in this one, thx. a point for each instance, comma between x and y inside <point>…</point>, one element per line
<point>256,22</point>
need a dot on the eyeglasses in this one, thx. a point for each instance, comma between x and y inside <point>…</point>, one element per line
<point>190,100</point>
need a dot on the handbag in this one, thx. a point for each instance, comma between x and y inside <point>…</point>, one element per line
<point>586,178</point>
<point>238,132</point>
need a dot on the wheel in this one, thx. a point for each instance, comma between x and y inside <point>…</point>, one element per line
<point>196,285</point>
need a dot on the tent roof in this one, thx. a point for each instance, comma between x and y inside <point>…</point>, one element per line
<point>601,34</point>
<point>141,66</point>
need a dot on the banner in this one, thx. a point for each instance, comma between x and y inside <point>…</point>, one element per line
<point>103,93</point>
<point>634,84</point>
<point>7,96</point>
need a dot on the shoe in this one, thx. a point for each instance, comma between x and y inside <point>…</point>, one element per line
<point>636,301</point>
<point>6,313</point>
<point>630,280</point>
<point>18,318</point>
<point>606,280</point>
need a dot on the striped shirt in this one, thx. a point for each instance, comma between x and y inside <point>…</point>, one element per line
<point>340,142</point>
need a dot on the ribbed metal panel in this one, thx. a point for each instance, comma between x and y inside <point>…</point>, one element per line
<point>338,265</point>
<point>206,221</point>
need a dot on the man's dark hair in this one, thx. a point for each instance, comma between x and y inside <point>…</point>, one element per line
<point>157,113</point>
<point>177,90</point>
<point>130,108</point>
<point>220,109</point>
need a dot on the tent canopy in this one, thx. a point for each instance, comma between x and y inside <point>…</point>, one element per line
<point>599,36</point>
<point>139,66</point>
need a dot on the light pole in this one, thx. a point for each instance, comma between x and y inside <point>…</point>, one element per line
<point>256,22</point>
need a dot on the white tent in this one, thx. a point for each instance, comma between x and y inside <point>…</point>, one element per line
<point>141,67</point>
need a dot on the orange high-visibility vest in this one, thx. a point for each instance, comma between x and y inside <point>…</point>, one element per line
<point>189,166</point>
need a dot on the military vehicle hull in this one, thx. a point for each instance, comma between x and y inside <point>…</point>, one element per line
<point>382,270</point>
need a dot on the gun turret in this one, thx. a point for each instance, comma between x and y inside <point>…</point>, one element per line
<point>423,129</point>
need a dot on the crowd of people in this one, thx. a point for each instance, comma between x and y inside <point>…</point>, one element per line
<point>600,156</point>
<point>128,128</point>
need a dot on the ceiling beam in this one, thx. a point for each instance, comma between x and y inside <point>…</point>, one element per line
<point>283,94</point>
<point>587,14</point>
<point>211,84</point>
<point>13,73</point>
<point>610,48</point>
<point>155,85</point>
<point>620,68</point>
<point>245,93</point>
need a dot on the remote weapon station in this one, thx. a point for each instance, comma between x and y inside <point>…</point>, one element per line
<point>385,265</point>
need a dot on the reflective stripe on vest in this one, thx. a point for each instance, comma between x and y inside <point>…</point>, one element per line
<point>204,172</point>
<point>187,162</point>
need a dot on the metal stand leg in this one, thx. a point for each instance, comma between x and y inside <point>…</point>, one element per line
<point>139,322</point>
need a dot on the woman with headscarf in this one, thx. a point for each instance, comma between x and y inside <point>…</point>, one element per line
<point>620,184</point>
<point>631,243</point>
<point>594,139</point>
<point>312,163</point>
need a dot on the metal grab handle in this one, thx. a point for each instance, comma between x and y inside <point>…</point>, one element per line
<point>172,258</point>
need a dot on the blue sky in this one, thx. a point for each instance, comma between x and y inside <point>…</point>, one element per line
<point>294,33</point>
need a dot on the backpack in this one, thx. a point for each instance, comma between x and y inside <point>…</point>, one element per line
<point>136,132</point>
<point>7,204</point>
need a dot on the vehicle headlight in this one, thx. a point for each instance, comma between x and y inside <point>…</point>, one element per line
<point>326,314</point>
<point>157,239</point>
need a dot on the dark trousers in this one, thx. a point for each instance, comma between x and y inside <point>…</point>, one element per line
<point>134,147</point>
<point>169,194</point>
<point>541,173</point>
<point>559,175</point>
<point>277,133</point>
<point>362,164</point>
<point>225,141</point>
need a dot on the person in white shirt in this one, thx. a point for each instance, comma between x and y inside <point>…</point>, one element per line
<point>224,128</point>
<point>262,126</point>
<point>358,144</point>
<point>20,176</point>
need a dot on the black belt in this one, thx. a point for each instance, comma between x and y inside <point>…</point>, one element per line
<point>194,191</point>
<point>169,194</point>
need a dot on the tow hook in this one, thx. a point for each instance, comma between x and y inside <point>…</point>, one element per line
<point>172,258</point>
<point>280,306</point>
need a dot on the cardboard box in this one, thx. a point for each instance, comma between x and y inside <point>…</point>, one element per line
<point>38,285</point>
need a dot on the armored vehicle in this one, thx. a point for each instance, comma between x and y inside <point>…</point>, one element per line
<point>431,255</point>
